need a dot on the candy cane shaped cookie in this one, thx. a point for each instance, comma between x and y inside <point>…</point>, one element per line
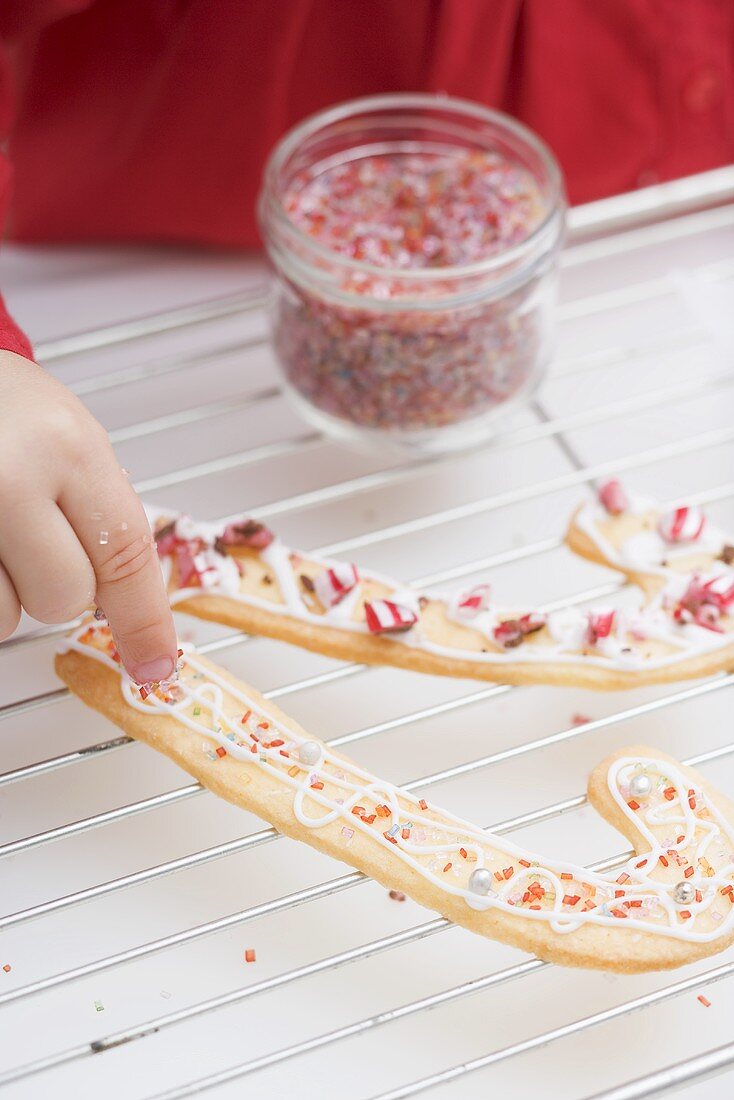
<point>669,904</point>
<point>245,577</point>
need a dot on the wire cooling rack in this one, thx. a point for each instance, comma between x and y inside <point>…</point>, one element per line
<point>128,896</point>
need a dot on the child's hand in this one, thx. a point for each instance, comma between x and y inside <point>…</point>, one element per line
<point>72,530</point>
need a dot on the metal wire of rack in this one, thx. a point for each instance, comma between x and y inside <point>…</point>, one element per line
<point>90,893</point>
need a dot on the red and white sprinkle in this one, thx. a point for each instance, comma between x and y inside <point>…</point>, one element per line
<point>334,583</point>
<point>599,626</point>
<point>388,617</point>
<point>471,602</point>
<point>613,497</point>
<point>682,524</point>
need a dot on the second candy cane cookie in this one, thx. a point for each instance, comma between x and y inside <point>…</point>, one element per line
<point>241,575</point>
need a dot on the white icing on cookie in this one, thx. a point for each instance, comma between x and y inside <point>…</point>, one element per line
<point>690,841</point>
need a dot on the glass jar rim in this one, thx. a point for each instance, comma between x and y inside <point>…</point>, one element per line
<point>271,203</point>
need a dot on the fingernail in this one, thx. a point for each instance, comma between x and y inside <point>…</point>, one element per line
<point>150,672</point>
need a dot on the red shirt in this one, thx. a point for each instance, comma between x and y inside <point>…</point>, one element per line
<point>151,121</point>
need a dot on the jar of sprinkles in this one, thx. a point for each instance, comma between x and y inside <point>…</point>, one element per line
<point>415,240</point>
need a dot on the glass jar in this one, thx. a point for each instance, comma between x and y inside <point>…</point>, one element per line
<point>415,240</point>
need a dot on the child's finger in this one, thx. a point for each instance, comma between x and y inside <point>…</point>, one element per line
<point>111,524</point>
<point>9,605</point>
<point>49,570</point>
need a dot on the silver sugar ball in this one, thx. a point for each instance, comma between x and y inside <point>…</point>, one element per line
<point>309,752</point>
<point>684,893</point>
<point>481,881</point>
<point>640,785</point>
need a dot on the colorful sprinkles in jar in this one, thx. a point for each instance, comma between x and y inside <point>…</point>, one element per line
<point>418,210</point>
<point>406,301</point>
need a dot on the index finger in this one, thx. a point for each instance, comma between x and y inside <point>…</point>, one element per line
<point>111,524</point>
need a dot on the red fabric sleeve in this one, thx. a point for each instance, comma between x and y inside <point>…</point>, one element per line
<point>11,337</point>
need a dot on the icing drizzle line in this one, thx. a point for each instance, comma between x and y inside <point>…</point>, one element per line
<point>690,841</point>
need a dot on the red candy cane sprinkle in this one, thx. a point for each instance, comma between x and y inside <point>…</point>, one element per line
<point>682,525</point>
<point>598,626</point>
<point>613,497</point>
<point>333,584</point>
<point>512,632</point>
<point>388,617</point>
<point>165,537</point>
<point>185,564</point>
<point>471,602</point>
<point>509,633</point>
<point>247,533</point>
<point>705,602</point>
